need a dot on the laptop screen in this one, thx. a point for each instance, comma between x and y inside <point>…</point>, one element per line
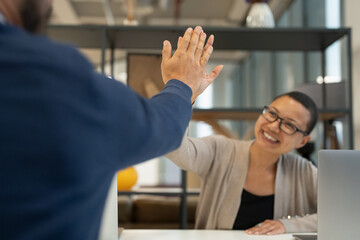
<point>338,194</point>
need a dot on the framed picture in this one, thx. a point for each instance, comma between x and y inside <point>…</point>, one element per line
<point>144,73</point>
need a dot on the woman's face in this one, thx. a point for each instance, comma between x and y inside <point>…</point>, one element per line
<point>271,138</point>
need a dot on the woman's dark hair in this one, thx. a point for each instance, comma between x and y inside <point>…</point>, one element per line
<point>308,103</point>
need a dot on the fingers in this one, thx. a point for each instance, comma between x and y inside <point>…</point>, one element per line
<point>185,41</point>
<point>206,56</point>
<point>268,227</point>
<point>251,231</point>
<point>275,232</point>
<point>194,40</point>
<point>200,46</point>
<point>209,45</point>
<point>178,43</point>
<point>215,72</point>
<point>197,38</point>
<point>265,228</point>
<point>257,231</point>
<point>166,52</point>
<point>209,42</point>
<point>207,51</point>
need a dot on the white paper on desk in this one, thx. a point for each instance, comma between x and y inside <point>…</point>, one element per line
<point>109,222</point>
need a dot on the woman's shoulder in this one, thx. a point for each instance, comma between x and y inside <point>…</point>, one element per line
<point>295,168</point>
<point>296,162</point>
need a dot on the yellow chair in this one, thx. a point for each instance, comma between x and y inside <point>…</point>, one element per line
<point>126,178</point>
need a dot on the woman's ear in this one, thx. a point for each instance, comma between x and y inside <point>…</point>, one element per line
<point>304,140</point>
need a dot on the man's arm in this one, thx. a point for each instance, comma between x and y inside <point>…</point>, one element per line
<point>153,127</point>
<point>141,129</point>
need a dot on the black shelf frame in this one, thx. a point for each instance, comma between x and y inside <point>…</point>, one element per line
<point>227,38</point>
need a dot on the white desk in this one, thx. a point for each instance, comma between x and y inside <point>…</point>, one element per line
<point>133,234</point>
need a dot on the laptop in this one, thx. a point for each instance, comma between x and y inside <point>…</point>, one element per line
<point>338,196</point>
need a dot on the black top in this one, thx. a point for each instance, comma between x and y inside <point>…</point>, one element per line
<point>253,210</point>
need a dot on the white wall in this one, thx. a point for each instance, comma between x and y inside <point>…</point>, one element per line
<point>352,19</point>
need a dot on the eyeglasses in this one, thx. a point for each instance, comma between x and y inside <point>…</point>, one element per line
<point>285,125</point>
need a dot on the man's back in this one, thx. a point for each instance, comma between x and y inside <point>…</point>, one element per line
<point>64,131</point>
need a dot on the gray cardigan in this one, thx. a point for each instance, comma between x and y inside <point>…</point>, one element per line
<point>222,164</point>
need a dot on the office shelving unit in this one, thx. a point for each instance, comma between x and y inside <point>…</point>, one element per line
<point>278,39</point>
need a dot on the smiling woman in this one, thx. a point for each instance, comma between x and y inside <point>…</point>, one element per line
<point>274,138</point>
<point>243,181</point>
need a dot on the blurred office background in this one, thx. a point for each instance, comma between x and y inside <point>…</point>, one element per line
<point>249,79</point>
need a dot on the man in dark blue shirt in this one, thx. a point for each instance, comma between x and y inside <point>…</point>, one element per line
<point>65,129</point>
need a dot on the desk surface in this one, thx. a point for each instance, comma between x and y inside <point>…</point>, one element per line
<point>195,235</point>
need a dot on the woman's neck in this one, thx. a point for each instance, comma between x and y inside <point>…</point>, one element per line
<point>262,160</point>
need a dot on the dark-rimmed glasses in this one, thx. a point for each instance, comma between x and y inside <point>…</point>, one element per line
<point>285,125</point>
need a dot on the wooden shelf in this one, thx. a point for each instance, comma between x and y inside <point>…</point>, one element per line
<point>161,192</point>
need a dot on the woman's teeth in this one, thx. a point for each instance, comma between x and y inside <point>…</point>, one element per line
<point>269,137</point>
